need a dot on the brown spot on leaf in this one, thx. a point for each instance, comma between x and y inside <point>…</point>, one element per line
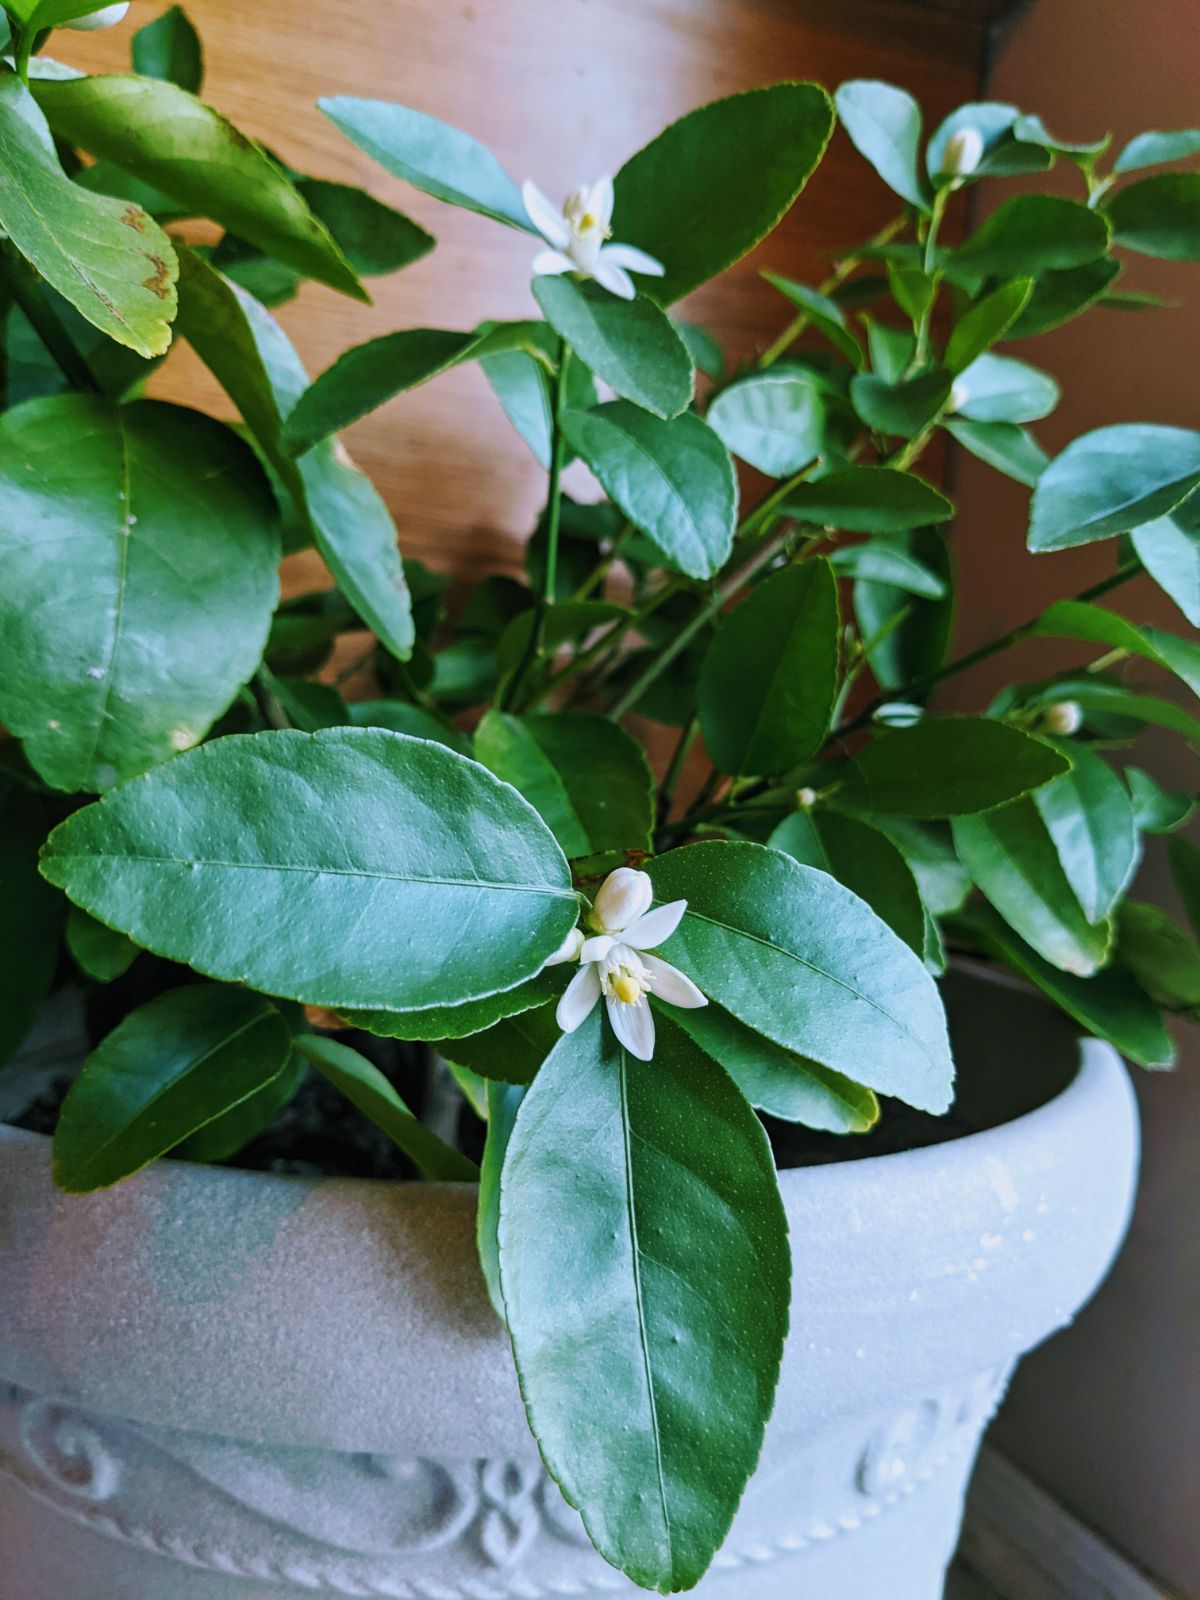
<point>322,1017</point>
<point>159,281</point>
<point>134,217</point>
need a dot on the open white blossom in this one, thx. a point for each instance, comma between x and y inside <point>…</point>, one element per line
<point>578,234</point>
<point>106,17</point>
<point>616,963</point>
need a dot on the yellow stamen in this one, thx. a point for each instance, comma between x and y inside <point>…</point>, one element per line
<point>627,989</point>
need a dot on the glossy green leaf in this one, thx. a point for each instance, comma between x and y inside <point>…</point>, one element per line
<point>401,717</point>
<point>449,1023</point>
<point>1076,619</point>
<point>160,520</point>
<point>1002,445</point>
<point>706,353</point>
<point>711,185</point>
<point>434,157</point>
<point>588,779</point>
<point>906,636</point>
<point>948,767</point>
<point>251,357</point>
<point>1155,149</point>
<point>33,914</point>
<point>374,238</point>
<point>913,290</point>
<point>1111,480</point>
<point>631,344</point>
<point>503,1103</point>
<point>821,313</point>
<point>774,421</point>
<point>768,683</point>
<point>166,137</point>
<point>903,408</point>
<point>366,1088</point>
<point>1185,869</point>
<point>1032,234</point>
<point>1108,1006</point>
<point>99,952</point>
<point>1003,154</point>
<point>870,866</point>
<point>1158,216</point>
<point>107,257</point>
<point>985,322</point>
<point>885,124</point>
<point>879,561</point>
<point>415,880</point>
<point>511,1050</point>
<point>868,500</point>
<point>798,958</point>
<point>673,480</point>
<point>1012,858</point>
<point>1169,549</point>
<point>1160,955</point>
<point>1155,809</point>
<point>169,1068</point>
<point>929,851</point>
<point>1104,698</point>
<point>1059,296</point>
<point>662,1189</point>
<point>1001,389</point>
<point>523,385</point>
<point>369,375</point>
<point>1089,816</point>
<point>892,349</point>
<point>226,1135</point>
<point>169,48</point>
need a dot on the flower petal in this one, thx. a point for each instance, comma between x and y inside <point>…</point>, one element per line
<point>615,279</point>
<point>545,215</point>
<point>673,986</point>
<point>569,949</point>
<point>597,948</point>
<point>547,263</point>
<point>600,201</point>
<point>632,259</point>
<point>621,899</point>
<point>578,999</point>
<point>633,1026</point>
<point>654,926</point>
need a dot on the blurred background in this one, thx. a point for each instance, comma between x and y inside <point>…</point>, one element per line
<point>1107,1417</point>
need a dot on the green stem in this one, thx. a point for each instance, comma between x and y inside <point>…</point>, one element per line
<point>612,636</point>
<point>554,488</point>
<point>605,564</point>
<point>24,42</point>
<point>27,292</point>
<point>674,772</point>
<point>921,353</point>
<point>841,271</point>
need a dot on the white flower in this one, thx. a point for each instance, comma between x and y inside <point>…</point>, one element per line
<point>1064,716</point>
<point>616,963</point>
<point>106,17</point>
<point>963,153</point>
<point>569,949</point>
<point>577,234</point>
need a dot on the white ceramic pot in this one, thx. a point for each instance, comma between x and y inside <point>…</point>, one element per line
<point>216,1385</point>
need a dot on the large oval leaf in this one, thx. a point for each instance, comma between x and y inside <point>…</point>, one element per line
<point>1032,234</point>
<point>868,500</point>
<point>346,868</point>
<point>1090,818</point>
<point>775,421</point>
<point>885,124</point>
<point>769,680</point>
<point>797,957</point>
<point>870,864</point>
<point>1169,549</point>
<point>1112,480</point>
<point>631,344</point>
<point>665,1261</point>
<point>1000,389</point>
<point>1159,216</point>
<point>711,185</point>
<point>673,480</point>
<point>948,767</point>
<point>140,546</point>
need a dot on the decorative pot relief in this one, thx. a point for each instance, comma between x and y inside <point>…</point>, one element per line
<point>385,1526</point>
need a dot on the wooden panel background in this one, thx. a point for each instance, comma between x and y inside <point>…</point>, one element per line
<point>560,90</point>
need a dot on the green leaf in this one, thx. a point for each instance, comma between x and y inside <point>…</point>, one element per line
<point>673,480</point>
<point>870,866</point>
<point>1025,237</point>
<point>778,1081</point>
<point>821,313</point>
<point>985,322</point>
<point>511,1050</point>
<point>900,408</point>
<point>1111,480</point>
<point>1090,819</point>
<point>107,257</point>
<point>1169,549</point>
<point>662,1189</point>
<point>885,126</point>
<point>703,348</point>
<point>1012,858</point>
<point>1155,809</point>
<point>232,1131</point>
<point>503,1103</point>
<point>250,356</point>
<point>879,561</point>
<point>912,290</point>
<point>432,156</point>
<point>366,1088</point>
<point>1059,296</point>
<point>710,186</point>
<point>892,349</point>
<point>401,717</point>
<point>868,500</point>
<point>768,683</point>
<point>1003,154</point>
<point>169,533</point>
<point>1107,699</point>
<point>906,638</point>
<point>166,137</point>
<point>1002,445</point>
<point>774,421</point>
<point>798,958</point>
<point>521,383</point>
<point>446,1024</point>
<point>374,238</point>
<point>1156,149</point>
<point>1160,955</point>
<point>1076,619</point>
<point>567,623</point>
<point>940,876</point>
<point>631,344</point>
<point>169,48</point>
<point>948,767</point>
<point>33,913</point>
<point>1109,1006</point>
<point>1159,216</point>
<point>585,776</point>
<point>369,375</point>
<point>1001,389</point>
<point>1185,869</point>
<point>171,1067</point>
<point>99,952</point>
<point>415,879</point>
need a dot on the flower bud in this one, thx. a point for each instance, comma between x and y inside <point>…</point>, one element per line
<point>806,798</point>
<point>963,153</point>
<point>958,396</point>
<point>623,897</point>
<point>1065,716</point>
<point>569,949</point>
<point>106,17</point>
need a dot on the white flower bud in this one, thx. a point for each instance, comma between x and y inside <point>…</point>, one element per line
<point>623,897</point>
<point>958,396</point>
<point>963,153</point>
<point>1065,716</point>
<point>569,949</point>
<point>806,798</point>
<point>106,17</point>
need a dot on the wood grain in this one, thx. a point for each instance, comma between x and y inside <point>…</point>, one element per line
<point>561,90</point>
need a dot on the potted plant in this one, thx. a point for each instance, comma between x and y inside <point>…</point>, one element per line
<point>665,1031</point>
